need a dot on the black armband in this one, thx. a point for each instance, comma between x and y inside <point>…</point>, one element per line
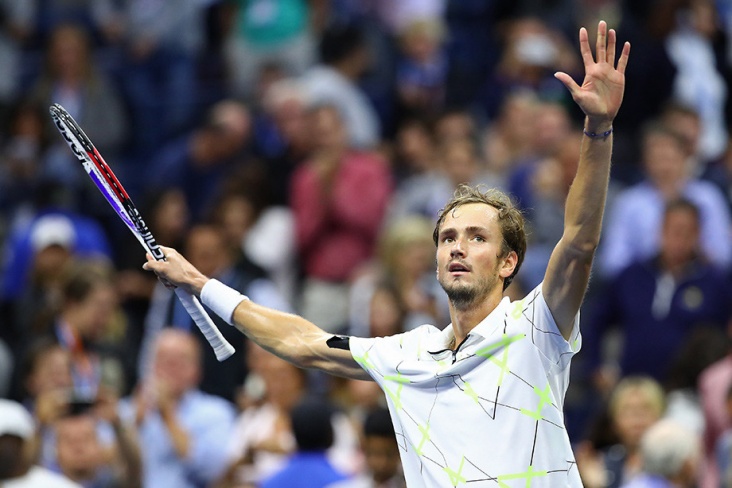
<point>339,342</point>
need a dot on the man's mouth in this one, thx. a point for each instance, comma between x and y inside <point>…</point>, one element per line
<point>458,267</point>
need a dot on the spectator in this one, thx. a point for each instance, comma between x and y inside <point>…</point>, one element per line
<point>206,245</point>
<point>657,303</point>
<point>701,65</point>
<point>636,403</point>
<point>339,198</point>
<point>421,73</point>
<point>670,457</point>
<point>83,456</point>
<point>161,43</point>
<point>379,445</point>
<point>425,194</point>
<point>533,52</point>
<point>47,386</point>
<point>309,466</point>
<point>198,163</point>
<point>88,325</point>
<point>723,448</point>
<point>345,58</point>
<point>53,240</point>
<point>72,78</point>
<point>85,236</point>
<point>414,149</point>
<point>281,135</point>
<point>17,470</point>
<point>283,32</point>
<point>399,285</point>
<point>182,431</point>
<point>507,140</point>
<point>264,437</point>
<point>634,220</point>
<point>258,234</point>
<point>713,385</point>
<point>23,155</point>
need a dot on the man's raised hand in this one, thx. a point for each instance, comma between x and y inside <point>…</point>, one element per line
<point>601,93</point>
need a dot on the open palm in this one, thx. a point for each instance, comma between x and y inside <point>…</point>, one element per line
<point>601,92</point>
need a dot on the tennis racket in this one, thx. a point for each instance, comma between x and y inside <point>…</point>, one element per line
<point>103,177</point>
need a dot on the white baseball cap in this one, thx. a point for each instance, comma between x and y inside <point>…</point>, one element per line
<point>53,229</point>
<point>15,420</point>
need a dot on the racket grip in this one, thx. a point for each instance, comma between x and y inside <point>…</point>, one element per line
<point>220,345</point>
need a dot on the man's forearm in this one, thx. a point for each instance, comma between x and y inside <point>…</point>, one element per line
<point>586,198</point>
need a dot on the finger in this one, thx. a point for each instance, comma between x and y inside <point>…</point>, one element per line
<point>585,47</point>
<point>567,81</point>
<point>611,40</point>
<point>623,61</point>
<point>601,41</point>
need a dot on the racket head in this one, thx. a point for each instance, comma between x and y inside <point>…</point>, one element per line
<point>104,178</point>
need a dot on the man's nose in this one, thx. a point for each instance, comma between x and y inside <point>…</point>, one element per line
<point>457,249</point>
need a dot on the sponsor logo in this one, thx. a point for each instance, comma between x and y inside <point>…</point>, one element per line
<point>146,235</point>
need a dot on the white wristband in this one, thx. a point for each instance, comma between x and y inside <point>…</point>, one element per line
<point>221,299</point>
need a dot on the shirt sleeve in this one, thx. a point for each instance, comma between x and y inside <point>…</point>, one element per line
<point>379,356</point>
<point>533,315</point>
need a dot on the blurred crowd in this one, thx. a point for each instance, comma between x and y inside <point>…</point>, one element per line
<point>299,151</point>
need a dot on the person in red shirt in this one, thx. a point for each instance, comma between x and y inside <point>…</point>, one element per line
<point>339,198</point>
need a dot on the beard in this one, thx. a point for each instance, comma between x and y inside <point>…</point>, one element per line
<point>465,295</point>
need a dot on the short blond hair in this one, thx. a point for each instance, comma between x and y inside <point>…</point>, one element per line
<point>645,384</point>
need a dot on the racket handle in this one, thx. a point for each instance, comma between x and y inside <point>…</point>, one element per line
<point>220,345</point>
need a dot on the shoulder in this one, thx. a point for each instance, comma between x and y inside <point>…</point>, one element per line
<point>42,477</point>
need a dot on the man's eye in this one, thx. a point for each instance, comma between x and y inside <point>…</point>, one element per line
<point>479,238</point>
<point>447,239</point>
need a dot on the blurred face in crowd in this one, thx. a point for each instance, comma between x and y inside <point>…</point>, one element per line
<point>236,216</point>
<point>206,249</point>
<point>665,160</point>
<point>382,457</point>
<point>414,145</point>
<point>177,361</point>
<point>327,129</point>
<point>284,383</point>
<point>78,450</point>
<point>386,313</point>
<point>679,236</point>
<point>460,161</point>
<point>51,372</point>
<point>634,413</point>
<point>69,53</point>
<point>552,128</point>
<point>170,216</point>
<point>93,314</point>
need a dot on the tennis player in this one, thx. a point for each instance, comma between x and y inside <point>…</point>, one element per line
<point>478,403</point>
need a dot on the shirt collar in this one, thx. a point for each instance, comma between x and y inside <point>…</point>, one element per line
<point>441,340</point>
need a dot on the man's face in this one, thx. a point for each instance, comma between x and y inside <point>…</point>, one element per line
<point>469,248</point>
<point>78,449</point>
<point>177,363</point>
<point>679,236</point>
<point>382,457</point>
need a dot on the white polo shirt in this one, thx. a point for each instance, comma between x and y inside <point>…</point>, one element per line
<point>488,415</point>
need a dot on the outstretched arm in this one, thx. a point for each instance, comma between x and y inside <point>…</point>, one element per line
<point>599,97</point>
<point>288,336</point>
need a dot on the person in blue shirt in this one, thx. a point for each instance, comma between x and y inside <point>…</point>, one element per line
<point>658,302</point>
<point>183,432</point>
<point>308,467</point>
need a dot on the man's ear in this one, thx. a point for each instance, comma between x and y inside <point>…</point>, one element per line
<point>508,264</point>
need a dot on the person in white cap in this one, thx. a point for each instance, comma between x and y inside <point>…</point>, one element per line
<point>16,469</point>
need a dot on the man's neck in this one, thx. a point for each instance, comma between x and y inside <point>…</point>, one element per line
<point>465,319</point>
